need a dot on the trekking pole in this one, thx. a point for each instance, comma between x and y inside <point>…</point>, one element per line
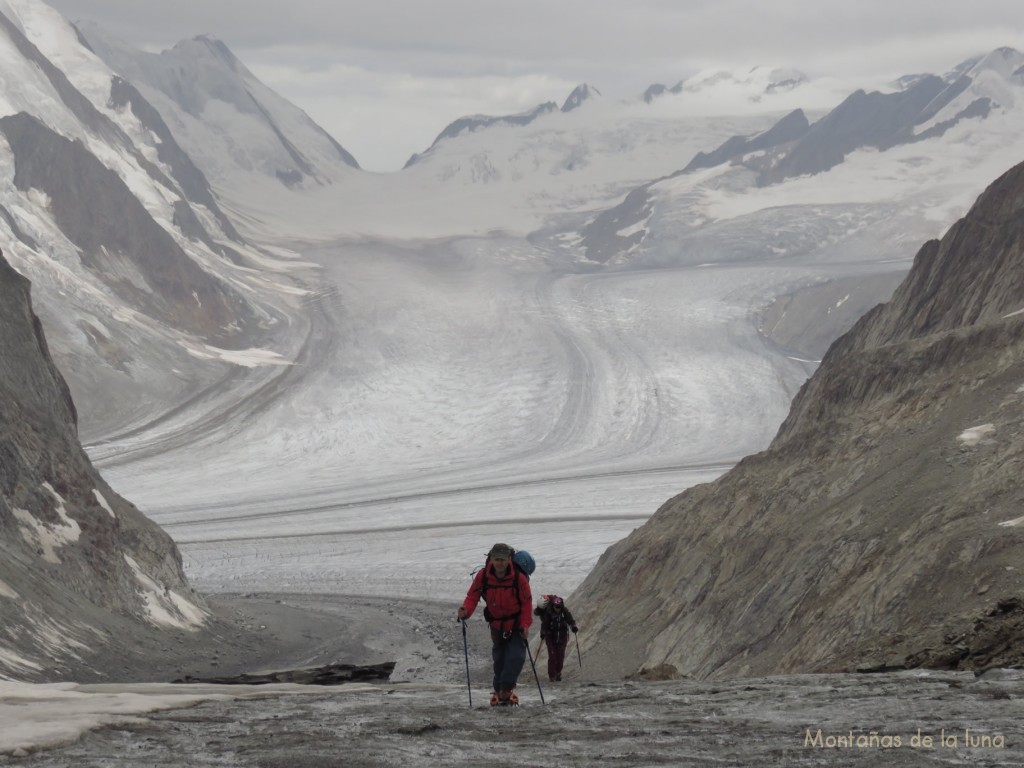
<point>535,676</point>
<point>465,651</point>
<point>578,654</point>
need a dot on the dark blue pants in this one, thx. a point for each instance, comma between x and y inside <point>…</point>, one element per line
<point>509,654</point>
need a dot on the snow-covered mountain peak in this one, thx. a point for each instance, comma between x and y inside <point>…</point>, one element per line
<point>239,132</point>
<point>993,82</point>
<point>216,47</point>
<point>195,71</point>
<point>1008,63</point>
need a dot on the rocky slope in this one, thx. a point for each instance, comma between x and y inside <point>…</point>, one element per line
<point>882,527</point>
<point>83,573</point>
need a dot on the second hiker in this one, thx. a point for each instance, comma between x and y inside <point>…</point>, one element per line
<point>555,622</point>
<point>506,591</point>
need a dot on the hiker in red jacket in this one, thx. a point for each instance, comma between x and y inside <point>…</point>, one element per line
<point>506,591</point>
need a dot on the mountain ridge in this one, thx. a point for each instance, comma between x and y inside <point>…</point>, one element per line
<point>667,220</point>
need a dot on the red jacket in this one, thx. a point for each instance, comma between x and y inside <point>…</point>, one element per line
<point>507,610</point>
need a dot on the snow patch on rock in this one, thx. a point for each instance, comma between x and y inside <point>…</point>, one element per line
<point>165,606</point>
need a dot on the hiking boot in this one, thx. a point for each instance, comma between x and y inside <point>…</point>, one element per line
<point>507,697</point>
<point>495,700</point>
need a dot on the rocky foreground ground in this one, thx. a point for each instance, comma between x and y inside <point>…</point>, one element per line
<point>844,720</point>
<point>423,717</point>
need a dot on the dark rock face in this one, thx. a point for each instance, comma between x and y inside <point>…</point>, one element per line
<point>863,119</point>
<point>790,128</point>
<point>82,572</point>
<point>601,238</point>
<point>882,528</point>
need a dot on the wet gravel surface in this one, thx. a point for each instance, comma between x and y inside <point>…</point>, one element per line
<point>857,720</point>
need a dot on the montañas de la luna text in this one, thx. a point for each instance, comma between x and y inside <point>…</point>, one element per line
<point>953,739</point>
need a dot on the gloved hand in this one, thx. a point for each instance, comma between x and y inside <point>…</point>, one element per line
<point>461,615</point>
<point>525,632</point>
<point>575,629</point>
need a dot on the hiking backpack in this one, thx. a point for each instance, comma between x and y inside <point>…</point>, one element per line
<point>521,562</point>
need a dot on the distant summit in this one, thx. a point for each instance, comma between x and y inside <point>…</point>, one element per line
<point>659,89</point>
<point>222,112</point>
<point>580,94</point>
<point>473,123</point>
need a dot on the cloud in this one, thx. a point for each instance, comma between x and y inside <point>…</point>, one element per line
<point>444,37</point>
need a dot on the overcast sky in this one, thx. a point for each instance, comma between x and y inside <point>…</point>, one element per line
<point>384,77</point>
